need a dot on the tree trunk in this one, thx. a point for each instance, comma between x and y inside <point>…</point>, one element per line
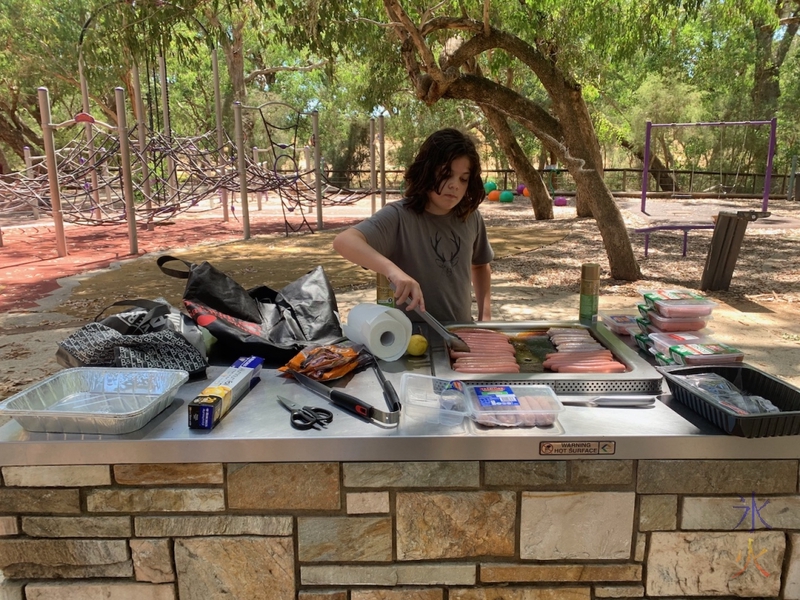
<point>663,177</point>
<point>770,55</point>
<point>541,202</point>
<point>570,136</point>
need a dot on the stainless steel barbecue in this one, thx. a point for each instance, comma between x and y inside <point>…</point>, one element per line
<point>639,378</point>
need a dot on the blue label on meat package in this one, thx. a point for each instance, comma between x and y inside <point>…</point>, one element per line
<point>496,395</point>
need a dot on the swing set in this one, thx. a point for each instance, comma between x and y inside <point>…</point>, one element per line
<point>686,227</point>
<point>770,153</point>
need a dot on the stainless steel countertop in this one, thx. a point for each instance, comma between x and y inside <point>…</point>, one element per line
<point>258,430</point>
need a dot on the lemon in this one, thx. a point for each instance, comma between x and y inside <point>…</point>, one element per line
<point>417,345</point>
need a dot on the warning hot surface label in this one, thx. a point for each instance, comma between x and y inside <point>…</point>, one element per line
<point>552,448</point>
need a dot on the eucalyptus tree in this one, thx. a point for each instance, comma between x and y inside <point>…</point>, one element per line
<point>39,49</point>
<point>482,54</point>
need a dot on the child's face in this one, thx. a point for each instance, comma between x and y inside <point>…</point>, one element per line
<point>453,189</point>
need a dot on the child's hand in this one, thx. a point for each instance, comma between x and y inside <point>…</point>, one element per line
<point>406,289</point>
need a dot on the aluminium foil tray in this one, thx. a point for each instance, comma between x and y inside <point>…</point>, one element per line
<point>640,378</point>
<point>96,400</point>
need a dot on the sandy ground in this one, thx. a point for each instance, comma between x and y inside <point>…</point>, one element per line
<point>767,329</point>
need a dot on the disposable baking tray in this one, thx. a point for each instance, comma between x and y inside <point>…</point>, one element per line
<point>94,400</point>
<point>783,395</point>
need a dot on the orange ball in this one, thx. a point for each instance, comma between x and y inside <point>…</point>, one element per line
<point>526,192</point>
<point>494,195</point>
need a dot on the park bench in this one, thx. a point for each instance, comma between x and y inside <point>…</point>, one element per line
<point>685,227</point>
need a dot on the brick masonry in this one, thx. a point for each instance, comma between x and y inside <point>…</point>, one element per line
<point>515,530</point>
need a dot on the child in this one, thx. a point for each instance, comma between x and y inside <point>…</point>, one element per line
<point>432,244</point>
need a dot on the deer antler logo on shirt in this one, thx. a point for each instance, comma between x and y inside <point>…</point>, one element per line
<point>446,263</point>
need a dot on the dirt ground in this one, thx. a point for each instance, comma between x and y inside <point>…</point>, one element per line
<point>536,277</point>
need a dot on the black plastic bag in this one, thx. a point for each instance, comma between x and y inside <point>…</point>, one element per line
<point>260,321</point>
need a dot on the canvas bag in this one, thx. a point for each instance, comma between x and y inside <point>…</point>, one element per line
<point>259,321</point>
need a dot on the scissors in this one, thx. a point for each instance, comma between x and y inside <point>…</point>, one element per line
<point>306,417</point>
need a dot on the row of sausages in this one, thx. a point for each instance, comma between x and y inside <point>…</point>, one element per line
<point>578,352</point>
<point>491,352</point>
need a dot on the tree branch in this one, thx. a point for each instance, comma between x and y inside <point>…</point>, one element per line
<point>272,70</point>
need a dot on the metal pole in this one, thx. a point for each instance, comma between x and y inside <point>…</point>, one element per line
<point>172,177</point>
<point>141,128</point>
<point>26,151</point>
<point>773,128</point>
<point>242,163</point>
<point>221,162</point>
<point>646,166</point>
<point>382,142</point>
<point>89,137</point>
<point>317,168</point>
<point>373,182</point>
<point>257,166</point>
<point>125,164</point>
<point>790,193</point>
<point>52,174</point>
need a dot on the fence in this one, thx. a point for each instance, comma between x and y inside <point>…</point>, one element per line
<point>618,180</point>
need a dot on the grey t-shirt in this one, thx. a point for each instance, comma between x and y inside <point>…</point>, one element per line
<point>436,250</point>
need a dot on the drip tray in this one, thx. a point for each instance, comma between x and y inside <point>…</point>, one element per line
<point>639,378</point>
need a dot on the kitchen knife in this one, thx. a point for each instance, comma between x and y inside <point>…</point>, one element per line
<point>346,401</point>
<point>621,401</point>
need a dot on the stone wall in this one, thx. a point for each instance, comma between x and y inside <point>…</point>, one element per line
<point>538,530</point>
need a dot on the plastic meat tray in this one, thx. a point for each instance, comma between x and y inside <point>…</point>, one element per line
<point>94,400</point>
<point>783,395</point>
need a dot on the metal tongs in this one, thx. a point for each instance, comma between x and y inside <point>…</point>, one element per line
<point>451,339</point>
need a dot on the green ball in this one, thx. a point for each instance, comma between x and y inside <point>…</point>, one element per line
<point>506,196</point>
<point>489,186</point>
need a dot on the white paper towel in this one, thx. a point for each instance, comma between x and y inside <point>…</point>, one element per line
<point>384,331</point>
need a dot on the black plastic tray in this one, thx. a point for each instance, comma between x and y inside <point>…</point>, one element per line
<point>783,395</point>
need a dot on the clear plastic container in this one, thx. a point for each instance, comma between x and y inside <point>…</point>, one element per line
<point>643,341</point>
<point>691,308</point>
<point>662,342</point>
<point>95,400</point>
<point>662,359</point>
<point>666,294</point>
<point>619,324</point>
<point>433,400</point>
<point>705,354</point>
<point>514,406</point>
<point>677,323</point>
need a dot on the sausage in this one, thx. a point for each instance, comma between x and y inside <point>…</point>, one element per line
<point>544,418</point>
<point>486,369</point>
<point>482,352</point>
<point>526,402</point>
<point>574,355</point>
<point>606,367</point>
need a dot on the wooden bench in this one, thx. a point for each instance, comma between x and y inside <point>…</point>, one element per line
<point>685,227</point>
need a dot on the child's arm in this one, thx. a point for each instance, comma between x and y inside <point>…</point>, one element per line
<point>353,246</point>
<point>482,284</point>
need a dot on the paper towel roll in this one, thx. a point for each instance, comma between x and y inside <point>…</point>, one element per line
<point>384,331</point>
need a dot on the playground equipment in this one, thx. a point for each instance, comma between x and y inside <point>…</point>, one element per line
<point>675,222</point>
<point>770,152</point>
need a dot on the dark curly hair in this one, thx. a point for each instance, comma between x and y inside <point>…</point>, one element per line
<point>432,167</point>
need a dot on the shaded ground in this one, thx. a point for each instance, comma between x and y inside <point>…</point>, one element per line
<point>30,265</point>
<point>536,277</point>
